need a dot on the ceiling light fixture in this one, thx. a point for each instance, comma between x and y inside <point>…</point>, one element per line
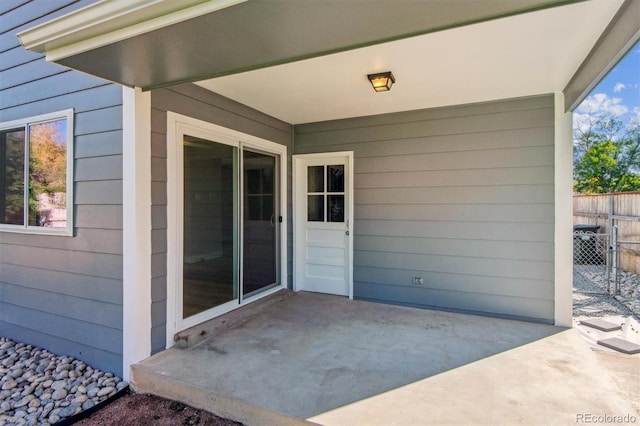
<point>382,82</point>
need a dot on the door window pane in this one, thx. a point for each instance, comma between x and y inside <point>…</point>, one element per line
<point>335,208</point>
<point>335,178</point>
<point>252,183</point>
<point>12,145</point>
<point>267,208</point>
<point>267,180</point>
<point>315,208</point>
<point>253,207</point>
<point>315,179</point>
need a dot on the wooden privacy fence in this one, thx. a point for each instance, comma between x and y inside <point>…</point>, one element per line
<point>620,209</point>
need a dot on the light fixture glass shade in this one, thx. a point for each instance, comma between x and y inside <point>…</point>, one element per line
<point>382,82</point>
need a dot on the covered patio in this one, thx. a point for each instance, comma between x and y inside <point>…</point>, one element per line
<point>462,200</point>
<point>332,361</point>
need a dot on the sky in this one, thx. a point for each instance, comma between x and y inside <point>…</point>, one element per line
<point>618,94</point>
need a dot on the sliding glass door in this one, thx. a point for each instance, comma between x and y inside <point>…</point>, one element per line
<point>230,229</point>
<point>210,249</point>
<point>260,222</point>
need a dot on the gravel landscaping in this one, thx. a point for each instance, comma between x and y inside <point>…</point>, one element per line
<point>590,297</point>
<point>41,388</point>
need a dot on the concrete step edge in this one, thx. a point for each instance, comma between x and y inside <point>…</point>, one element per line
<point>144,380</point>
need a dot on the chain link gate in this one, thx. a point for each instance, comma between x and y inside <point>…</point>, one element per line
<point>597,268</point>
<point>592,262</point>
<point>606,270</point>
<point>619,247</point>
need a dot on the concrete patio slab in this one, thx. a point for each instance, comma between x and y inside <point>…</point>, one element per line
<point>335,361</point>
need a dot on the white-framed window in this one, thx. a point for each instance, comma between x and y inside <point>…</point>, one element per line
<point>36,174</point>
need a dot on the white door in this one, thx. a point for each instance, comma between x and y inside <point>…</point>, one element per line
<point>323,208</point>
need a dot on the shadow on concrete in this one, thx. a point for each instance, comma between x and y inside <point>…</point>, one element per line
<point>312,353</point>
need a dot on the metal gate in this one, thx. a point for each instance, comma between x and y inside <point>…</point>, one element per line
<point>592,262</point>
<point>607,265</point>
<point>597,270</point>
<point>620,248</point>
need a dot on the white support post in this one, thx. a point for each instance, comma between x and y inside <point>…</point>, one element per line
<point>136,200</point>
<point>563,192</point>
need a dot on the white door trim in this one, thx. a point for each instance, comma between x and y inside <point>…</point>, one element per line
<point>177,126</point>
<point>299,161</point>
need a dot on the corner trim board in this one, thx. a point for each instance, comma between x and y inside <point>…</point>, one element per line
<point>563,191</point>
<point>136,200</point>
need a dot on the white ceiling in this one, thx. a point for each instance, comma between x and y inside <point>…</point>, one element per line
<point>522,55</point>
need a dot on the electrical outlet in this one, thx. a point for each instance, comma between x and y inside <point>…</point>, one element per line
<point>418,280</point>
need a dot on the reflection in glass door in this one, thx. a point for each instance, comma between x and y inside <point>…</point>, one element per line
<point>215,196</point>
<point>210,249</point>
<point>260,222</point>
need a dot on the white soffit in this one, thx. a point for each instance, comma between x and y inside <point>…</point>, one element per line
<point>522,55</point>
<point>110,21</point>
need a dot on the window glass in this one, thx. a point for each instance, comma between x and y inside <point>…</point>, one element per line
<point>34,182</point>
<point>48,174</point>
<point>12,176</point>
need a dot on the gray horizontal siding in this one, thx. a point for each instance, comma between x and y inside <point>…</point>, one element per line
<point>505,213</point>
<point>196,102</point>
<point>18,56</point>
<point>76,308</point>
<point>106,95</point>
<point>461,196</point>
<point>100,265</point>
<point>98,216</point>
<point>87,240</point>
<point>65,293</point>
<point>107,192</point>
<point>107,167</point>
<point>56,85</point>
<point>106,290</point>
<point>99,144</point>
<point>461,248</point>
<point>8,5</point>
<point>526,175</point>
<point>27,73</point>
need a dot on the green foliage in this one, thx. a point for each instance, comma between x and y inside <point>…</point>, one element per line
<point>47,166</point>
<point>606,158</point>
<point>12,194</point>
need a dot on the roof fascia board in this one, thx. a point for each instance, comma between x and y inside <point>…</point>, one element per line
<point>110,21</point>
<point>620,35</point>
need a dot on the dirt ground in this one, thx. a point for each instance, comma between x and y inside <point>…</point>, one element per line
<point>143,409</point>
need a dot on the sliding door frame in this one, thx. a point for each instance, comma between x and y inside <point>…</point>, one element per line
<point>177,127</point>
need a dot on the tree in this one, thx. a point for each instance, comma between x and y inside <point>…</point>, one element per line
<point>606,157</point>
<point>47,169</point>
